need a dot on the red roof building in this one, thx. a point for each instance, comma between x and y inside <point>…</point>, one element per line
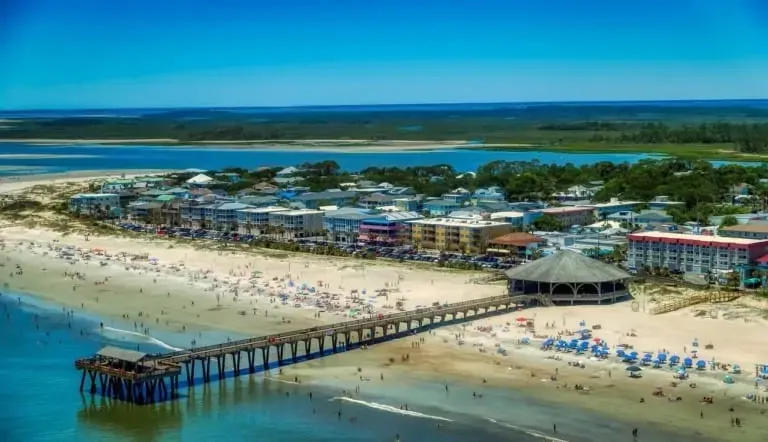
<point>692,253</point>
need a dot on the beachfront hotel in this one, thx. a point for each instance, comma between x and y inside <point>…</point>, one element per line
<point>692,253</point>
<point>460,235</point>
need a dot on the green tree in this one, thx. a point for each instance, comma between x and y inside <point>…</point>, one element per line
<point>548,223</point>
<point>728,220</point>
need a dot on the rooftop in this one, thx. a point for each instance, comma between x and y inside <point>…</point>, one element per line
<point>507,214</point>
<point>557,210</point>
<point>518,239</point>
<point>327,195</point>
<point>689,237</point>
<point>121,354</point>
<point>269,209</point>
<point>565,266</point>
<point>471,224</point>
<point>300,212</point>
<point>233,206</point>
<point>751,228</point>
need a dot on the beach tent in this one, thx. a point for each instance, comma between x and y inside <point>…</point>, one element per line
<point>200,179</point>
<point>728,379</point>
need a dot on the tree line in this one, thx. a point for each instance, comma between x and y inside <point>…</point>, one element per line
<point>703,188</point>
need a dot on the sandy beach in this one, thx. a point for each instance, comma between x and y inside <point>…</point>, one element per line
<point>338,146</point>
<point>180,286</point>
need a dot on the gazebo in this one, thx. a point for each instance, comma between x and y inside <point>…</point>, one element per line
<point>568,277</point>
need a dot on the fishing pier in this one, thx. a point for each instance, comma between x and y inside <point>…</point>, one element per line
<point>143,378</point>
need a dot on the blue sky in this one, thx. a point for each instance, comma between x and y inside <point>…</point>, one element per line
<point>140,53</point>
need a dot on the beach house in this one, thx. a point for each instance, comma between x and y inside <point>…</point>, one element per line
<point>255,219</point>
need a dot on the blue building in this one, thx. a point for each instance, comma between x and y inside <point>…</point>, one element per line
<point>440,207</point>
<point>343,225</point>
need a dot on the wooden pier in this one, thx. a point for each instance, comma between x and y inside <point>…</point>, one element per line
<point>141,378</point>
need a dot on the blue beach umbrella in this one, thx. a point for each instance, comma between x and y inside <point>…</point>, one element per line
<point>688,362</point>
<point>701,365</point>
<point>633,369</point>
<point>620,353</point>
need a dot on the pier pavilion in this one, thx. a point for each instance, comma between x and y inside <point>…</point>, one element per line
<point>567,278</point>
<point>129,375</point>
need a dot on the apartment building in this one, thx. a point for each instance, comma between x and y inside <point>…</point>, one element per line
<point>94,203</point>
<point>692,253</point>
<point>459,235</point>
<point>298,223</point>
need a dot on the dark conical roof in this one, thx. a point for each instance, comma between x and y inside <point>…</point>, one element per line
<point>567,266</point>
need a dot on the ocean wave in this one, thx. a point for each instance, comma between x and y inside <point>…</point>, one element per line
<point>390,409</point>
<point>527,431</point>
<point>142,337</point>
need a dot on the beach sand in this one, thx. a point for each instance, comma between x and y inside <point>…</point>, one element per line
<point>138,286</point>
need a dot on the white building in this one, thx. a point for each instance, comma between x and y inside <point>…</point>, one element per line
<point>298,223</point>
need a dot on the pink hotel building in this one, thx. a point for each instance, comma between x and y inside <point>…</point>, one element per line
<point>692,253</point>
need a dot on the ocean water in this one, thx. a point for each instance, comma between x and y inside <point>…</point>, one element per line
<point>157,157</point>
<point>41,401</point>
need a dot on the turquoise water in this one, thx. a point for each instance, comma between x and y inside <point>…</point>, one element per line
<point>41,401</point>
<point>148,157</point>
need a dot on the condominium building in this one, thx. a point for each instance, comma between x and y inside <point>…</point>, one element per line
<point>298,223</point>
<point>446,234</point>
<point>692,253</point>
<point>255,219</point>
<point>343,225</point>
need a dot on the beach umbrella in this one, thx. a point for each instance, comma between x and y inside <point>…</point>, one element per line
<point>728,380</point>
<point>633,369</point>
<point>620,353</point>
<point>521,319</point>
<point>688,362</point>
<point>597,340</point>
<point>701,365</point>
<point>633,355</point>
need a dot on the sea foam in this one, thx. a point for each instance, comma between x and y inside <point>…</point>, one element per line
<point>140,337</point>
<point>527,431</point>
<point>390,409</point>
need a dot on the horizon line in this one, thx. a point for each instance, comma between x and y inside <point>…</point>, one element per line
<point>352,106</point>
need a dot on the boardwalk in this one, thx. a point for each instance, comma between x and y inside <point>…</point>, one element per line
<point>712,297</point>
<point>141,378</point>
